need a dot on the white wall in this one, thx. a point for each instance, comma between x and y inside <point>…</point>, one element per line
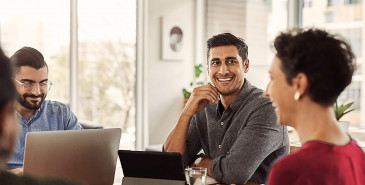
<point>167,78</point>
<point>258,76</point>
<point>256,36</point>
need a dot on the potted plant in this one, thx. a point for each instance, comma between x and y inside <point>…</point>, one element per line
<point>341,110</point>
<point>198,71</point>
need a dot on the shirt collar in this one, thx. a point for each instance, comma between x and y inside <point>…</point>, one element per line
<point>35,113</point>
<point>237,102</point>
<point>39,110</point>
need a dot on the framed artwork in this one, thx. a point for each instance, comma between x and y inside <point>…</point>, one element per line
<point>173,37</point>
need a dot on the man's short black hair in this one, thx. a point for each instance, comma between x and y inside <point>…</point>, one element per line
<point>227,39</point>
<point>27,56</point>
<point>7,94</point>
<point>326,59</point>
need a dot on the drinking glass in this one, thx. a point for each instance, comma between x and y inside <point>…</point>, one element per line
<point>196,175</point>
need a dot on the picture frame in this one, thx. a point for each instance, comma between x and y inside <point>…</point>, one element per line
<point>173,37</point>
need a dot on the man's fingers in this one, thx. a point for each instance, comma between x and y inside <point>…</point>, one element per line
<point>214,88</point>
<point>207,89</point>
<point>211,98</point>
<point>17,171</point>
<point>206,94</point>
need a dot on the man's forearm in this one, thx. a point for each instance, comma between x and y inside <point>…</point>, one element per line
<point>206,162</point>
<point>199,99</point>
<point>176,141</point>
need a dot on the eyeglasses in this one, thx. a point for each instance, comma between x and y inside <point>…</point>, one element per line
<point>29,87</point>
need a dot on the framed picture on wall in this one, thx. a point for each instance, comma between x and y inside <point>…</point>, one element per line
<point>173,37</point>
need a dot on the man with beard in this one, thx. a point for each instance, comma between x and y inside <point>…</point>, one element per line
<point>34,113</point>
<point>9,129</point>
<point>231,120</point>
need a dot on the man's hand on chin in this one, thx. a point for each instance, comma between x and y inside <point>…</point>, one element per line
<point>17,171</point>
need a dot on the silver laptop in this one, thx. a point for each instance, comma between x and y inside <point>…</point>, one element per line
<point>87,156</point>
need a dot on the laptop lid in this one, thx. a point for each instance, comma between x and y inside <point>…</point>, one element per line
<point>147,181</point>
<point>83,155</point>
<point>154,165</point>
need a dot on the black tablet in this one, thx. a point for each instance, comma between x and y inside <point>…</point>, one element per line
<point>154,165</point>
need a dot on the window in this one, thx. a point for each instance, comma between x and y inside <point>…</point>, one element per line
<point>43,25</point>
<point>353,2</point>
<point>347,23</point>
<point>332,2</point>
<point>307,3</point>
<point>107,39</point>
<point>106,52</point>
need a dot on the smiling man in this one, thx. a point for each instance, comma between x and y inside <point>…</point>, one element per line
<point>231,120</point>
<point>34,112</point>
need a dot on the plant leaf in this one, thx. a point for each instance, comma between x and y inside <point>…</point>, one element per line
<point>186,93</point>
<point>348,105</point>
<point>348,111</point>
<point>342,109</point>
<point>198,71</point>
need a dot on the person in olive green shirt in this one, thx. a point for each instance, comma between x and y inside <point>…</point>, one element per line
<point>9,130</point>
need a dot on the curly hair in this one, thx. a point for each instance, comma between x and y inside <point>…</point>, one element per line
<point>326,59</point>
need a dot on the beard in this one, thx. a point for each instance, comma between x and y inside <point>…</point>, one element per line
<point>29,104</point>
<point>228,93</point>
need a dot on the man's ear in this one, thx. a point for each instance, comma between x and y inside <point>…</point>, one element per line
<point>246,65</point>
<point>301,83</point>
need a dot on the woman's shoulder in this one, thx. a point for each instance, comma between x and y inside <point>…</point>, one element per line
<point>298,158</point>
<point>296,162</point>
<point>315,152</point>
<point>289,169</point>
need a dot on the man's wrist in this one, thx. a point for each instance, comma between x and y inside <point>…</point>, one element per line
<point>187,114</point>
<point>205,163</point>
<point>198,160</point>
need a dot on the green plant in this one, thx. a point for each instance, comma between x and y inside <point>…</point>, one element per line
<point>186,93</point>
<point>341,110</point>
<point>198,71</point>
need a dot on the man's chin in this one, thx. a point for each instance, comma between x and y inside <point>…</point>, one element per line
<point>33,107</point>
<point>225,92</point>
<point>32,104</point>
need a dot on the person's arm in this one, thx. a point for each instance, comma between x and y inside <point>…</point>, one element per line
<point>254,143</point>
<point>72,121</point>
<point>205,163</point>
<point>199,99</point>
